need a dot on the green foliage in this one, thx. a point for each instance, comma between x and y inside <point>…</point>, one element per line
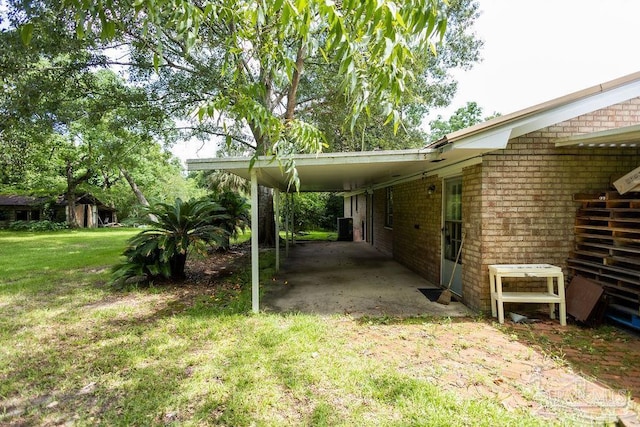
<point>236,219</point>
<point>431,85</point>
<point>246,67</point>
<point>179,229</point>
<point>313,211</point>
<point>37,226</point>
<point>67,123</point>
<point>463,117</point>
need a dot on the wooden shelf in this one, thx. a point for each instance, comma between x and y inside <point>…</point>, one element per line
<point>607,245</point>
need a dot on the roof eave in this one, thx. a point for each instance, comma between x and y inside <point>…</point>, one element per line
<point>526,120</point>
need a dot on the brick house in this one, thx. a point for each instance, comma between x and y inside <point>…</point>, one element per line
<point>514,202</point>
<point>506,185</point>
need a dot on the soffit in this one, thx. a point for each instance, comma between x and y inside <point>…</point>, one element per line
<point>628,136</point>
<point>340,172</point>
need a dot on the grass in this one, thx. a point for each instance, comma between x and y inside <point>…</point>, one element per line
<point>314,235</point>
<point>73,350</point>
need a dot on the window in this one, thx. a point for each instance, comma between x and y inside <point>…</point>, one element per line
<point>388,208</point>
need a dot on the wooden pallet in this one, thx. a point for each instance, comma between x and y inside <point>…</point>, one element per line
<point>607,247</point>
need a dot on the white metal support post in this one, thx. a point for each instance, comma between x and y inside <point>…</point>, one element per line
<point>293,228</point>
<point>286,230</point>
<point>276,208</point>
<point>255,253</point>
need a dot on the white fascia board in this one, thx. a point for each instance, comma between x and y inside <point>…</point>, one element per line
<point>498,138</point>
<point>578,108</point>
<point>495,139</point>
<point>321,159</point>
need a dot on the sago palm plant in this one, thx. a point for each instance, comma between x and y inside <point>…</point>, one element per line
<point>177,230</point>
<point>237,218</point>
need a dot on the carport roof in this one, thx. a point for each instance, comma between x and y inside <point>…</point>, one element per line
<point>341,172</point>
<point>356,172</point>
<point>327,171</point>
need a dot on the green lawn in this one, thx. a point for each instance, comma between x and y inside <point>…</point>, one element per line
<point>314,235</point>
<point>73,350</point>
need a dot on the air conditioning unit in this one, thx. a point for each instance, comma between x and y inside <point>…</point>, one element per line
<point>345,229</point>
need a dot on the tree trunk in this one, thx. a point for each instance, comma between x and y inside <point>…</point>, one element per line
<point>72,218</point>
<point>136,191</point>
<point>266,220</point>
<point>177,263</point>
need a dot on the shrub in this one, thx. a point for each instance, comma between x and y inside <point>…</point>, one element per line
<point>236,208</point>
<point>44,225</point>
<point>161,250</point>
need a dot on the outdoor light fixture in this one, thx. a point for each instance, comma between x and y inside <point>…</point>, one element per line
<point>431,189</point>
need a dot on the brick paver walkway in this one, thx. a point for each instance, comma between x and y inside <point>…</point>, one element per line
<point>608,354</point>
<point>548,370</point>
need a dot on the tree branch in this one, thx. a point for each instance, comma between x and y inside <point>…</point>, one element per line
<point>293,89</point>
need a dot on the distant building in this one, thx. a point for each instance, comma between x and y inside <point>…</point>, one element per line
<point>90,212</point>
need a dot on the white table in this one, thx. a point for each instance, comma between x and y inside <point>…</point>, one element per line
<point>498,297</point>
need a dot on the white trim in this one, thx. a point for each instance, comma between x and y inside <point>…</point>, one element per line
<point>492,140</point>
<point>628,136</point>
<point>496,133</point>
<point>276,214</point>
<point>320,159</point>
<point>255,252</point>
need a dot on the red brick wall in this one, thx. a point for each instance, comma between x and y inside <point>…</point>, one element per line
<point>517,205</point>
<point>473,285</point>
<point>382,236</point>
<point>416,228</point>
<point>527,200</point>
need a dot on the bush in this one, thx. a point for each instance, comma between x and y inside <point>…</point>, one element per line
<point>236,219</point>
<point>161,250</point>
<point>37,226</point>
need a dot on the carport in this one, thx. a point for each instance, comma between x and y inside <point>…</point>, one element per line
<point>355,279</point>
<point>350,173</point>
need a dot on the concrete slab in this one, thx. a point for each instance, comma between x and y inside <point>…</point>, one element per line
<point>351,278</point>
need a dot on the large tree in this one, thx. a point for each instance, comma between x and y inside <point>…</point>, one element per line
<point>243,60</point>
<point>463,117</point>
<point>256,73</point>
<point>65,126</point>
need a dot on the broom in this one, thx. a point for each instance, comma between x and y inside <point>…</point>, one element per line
<point>445,296</point>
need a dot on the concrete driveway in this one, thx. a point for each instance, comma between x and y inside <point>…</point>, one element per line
<point>350,278</point>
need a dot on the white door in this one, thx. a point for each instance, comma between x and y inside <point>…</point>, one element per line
<point>452,235</point>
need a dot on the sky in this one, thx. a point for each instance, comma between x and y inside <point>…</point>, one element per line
<point>535,51</point>
<point>538,50</point>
